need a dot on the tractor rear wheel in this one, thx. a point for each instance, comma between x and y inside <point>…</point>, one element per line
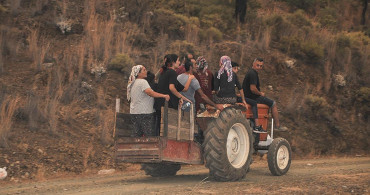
<point>279,156</point>
<point>228,146</point>
<point>160,169</point>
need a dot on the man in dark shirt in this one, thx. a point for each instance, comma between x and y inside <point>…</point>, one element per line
<point>251,87</point>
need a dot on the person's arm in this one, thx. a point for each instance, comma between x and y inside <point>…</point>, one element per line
<point>176,93</point>
<point>154,94</point>
<point>255,90</point>
<point>187,84</point>
<point>208,101</point>
<point>216,84</point>
<point>243,98</point>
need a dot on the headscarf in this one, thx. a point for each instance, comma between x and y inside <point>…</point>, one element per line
<point>202,64</point>
<point>226,66</point>
<point>134,72</point>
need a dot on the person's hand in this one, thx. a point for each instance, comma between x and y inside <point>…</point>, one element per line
<point>245,104</point>
<point>219,107</point>
<point>262,94</point>
<point>186,99</point>
<point>191,77</point>
<point>181,102</point>
<point>166,97</point>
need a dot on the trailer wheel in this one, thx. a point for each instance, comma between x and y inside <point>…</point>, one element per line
<point>228,146</point>
<point>279,156</point>
<point>160,169</point>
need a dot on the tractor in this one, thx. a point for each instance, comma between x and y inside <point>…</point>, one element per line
<point>226,147</point>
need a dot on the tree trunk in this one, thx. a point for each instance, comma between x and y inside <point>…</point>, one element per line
<point>363,16</point>
<point>240,10</point>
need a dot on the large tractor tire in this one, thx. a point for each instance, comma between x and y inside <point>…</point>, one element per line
<point>160,169</point>
<point>228,146</point>
<point>279,156</point>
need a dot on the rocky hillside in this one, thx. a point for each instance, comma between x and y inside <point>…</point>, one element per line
<point>63,63</point>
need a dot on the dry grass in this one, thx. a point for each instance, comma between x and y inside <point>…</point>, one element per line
<point>8,106</point>
<point>1,53</point>
<point>37,48</point>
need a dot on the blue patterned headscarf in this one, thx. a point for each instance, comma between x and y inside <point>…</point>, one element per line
<point>226,66</point>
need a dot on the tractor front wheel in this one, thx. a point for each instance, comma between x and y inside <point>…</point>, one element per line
<point>228,146</point>
<point>279,156</point>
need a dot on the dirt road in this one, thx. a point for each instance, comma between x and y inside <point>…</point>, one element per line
<point>312,176</point>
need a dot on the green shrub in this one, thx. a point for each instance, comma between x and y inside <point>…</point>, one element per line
<point>168,22</point>
<point>122,63</point>
<point>211,33</point>
<point>343,41</point>
<point>317,106</point>
<point>363,101</point>
<point>3,9</point>
<point>328,18</point>
<point>314,52</point>
<point>306,5</point>
<point>279,28</point>
<point>183,47</point>
<point>299,19</point>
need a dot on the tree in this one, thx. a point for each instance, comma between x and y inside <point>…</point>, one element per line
<point>363,15</point>
<point>240,10</point>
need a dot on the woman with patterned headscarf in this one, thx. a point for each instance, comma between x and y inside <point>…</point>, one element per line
<point>205,78</point>
<point>225,82</point>
<point>141,98</point>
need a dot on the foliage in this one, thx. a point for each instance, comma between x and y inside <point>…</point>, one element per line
<point>121,63</point>
<point>328,18</point>
<point>211,33</point>
<point>182,48</point>
<point>317,106</point>
<point>3,9</point>
<point>299,19</point>
<point>174,24</point>
<point>310,51</point>
<point>306,5</point>
<point>279,27</point>
<point>343,41</point>
<point>314,52</point>
<point>363,101</point>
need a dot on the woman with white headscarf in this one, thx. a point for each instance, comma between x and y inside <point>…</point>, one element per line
<point>141,98</point>
<point>225,82</point>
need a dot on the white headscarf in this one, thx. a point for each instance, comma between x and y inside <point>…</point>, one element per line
<point>134,72</point>
<point>226,66</point>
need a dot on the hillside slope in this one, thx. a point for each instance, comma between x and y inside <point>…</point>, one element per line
<point>63,63</point>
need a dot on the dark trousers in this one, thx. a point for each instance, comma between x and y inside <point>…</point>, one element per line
<point>143,125</point>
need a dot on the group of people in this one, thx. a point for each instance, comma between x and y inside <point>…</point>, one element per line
<point>191,82</point>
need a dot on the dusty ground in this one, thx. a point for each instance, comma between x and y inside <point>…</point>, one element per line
<point>310,176</point>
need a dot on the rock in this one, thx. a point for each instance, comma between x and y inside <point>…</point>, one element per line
<point>3,173</point>
<point>270,87</point>
<point>339,80</point>
<point>290,63</point>
<point>106,171</point>
<point>47,65</point>
<point>39,150</point>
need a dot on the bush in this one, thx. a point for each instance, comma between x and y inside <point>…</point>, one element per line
<point>306,5</point>
<point>211,33</point>
<point>279,28</point>
<point>182,48</point>
<point>363,101</point>
<point>328,18</point>
<point>318,106</point>
<point>343,41</point>
<point>299,19</point>
<point>314,52</point>
<point>122,63</point>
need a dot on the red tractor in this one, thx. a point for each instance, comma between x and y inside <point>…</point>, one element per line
<point>226,148</point>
